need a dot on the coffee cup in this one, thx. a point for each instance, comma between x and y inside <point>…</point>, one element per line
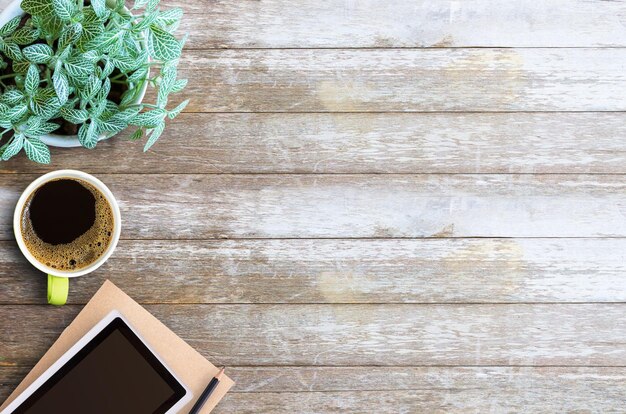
<point>67,224</point>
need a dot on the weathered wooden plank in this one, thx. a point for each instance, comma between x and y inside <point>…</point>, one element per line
<point>376,80</point>
<point>364,143</point>
<point>398,23</point>
<point>456,389</point>
<point>344,271</point>
<point>180,206</point>
<point>353,335</point>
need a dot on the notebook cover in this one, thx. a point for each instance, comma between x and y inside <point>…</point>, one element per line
<point>192,369</point>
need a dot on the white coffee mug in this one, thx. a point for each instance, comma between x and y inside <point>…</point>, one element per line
<point>58,280</point>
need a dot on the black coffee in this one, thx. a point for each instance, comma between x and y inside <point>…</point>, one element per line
<point>67,224</point>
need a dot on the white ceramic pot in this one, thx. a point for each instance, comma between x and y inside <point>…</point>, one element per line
<point>66,141</point>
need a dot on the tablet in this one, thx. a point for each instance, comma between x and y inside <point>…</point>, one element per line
<point>109,370</point>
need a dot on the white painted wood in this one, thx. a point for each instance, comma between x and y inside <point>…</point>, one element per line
<point>338,206</point>
<point>365,143</point>
<point>449,389</point>
<point>399,23</point>
<point>363,335</point>
<point>344,271</point>
<point>375,80</point>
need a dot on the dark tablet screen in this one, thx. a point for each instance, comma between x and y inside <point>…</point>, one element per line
<point>114,373</point>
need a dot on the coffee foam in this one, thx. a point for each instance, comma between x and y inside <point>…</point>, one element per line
<point>80,252</point>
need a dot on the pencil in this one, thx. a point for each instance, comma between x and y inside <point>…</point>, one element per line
<point>207,392</point>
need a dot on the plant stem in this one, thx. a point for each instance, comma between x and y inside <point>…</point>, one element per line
<point>10,75</point>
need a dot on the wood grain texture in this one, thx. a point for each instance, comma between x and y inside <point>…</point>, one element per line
<point>376,80</point>
<point>398,23</point>
<point>344,271</point>
<point>415,389</point>
<point>357,335</point>
<point>364,143</point>
<point>339,206</point>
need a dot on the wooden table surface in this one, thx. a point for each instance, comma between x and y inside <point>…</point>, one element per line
<point>373,206</point>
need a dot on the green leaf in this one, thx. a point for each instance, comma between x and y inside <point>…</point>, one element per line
<point>36,150</point>
<point>14,147</point>
<point>163,45</point>
<point>154,136</point>
<point>75,116</point>
<point>149,119</point>
<point>88,134</point>
<point>10,26</point>
<point>64,9</point>
<point>42,8</point>
<point>31,83</point>
<point>145,22</point>
<point>174,112</point>
<point>61,86</point>
<point>25,35</point>
<point>52,26</point>
<point>38,53</point>
<point>21,66</point>
<point>137,135</point>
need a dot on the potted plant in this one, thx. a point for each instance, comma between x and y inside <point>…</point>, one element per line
<point>73,72</point>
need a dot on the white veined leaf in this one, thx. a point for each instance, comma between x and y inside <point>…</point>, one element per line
<point>149,119</point>
<point>145,22</point>
<point>64,9</point>
<point>174,112</point>
<point>152,5</point>
<point>36,150</point>
<point>78,68</point>
<point>163,45</point>
<point>38,53</point>
<point>112,125</point>
<point>70,35</point>
<point>154,136</point>
<point>88,134</point>
<point>14,147</point>
<point>104,90</point>
<point>40,128</point>
<point>17,112</point>
<point>104,40</point>
<point>61,86</point>
<point>138,75</point>
<point>52,25</point>
<point>170,16</point>
<point>12,97</point>
<point>91,88</point>
<point>25,35</point>
<point>139,4</point>
<point>31,83</point>
<point>42,8</point>
<point>13,51</point>
<point>179,85</point>
<point>75,116</point>
<point>99,6</point>
<point>10,26</point>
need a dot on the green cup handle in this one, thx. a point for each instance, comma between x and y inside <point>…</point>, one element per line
<point>58,288</point>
